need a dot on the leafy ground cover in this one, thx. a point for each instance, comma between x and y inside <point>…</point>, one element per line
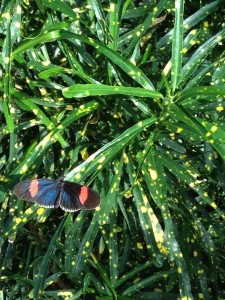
<point>127,97</point>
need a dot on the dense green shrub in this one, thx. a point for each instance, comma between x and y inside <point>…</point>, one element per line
<point>127,97</point>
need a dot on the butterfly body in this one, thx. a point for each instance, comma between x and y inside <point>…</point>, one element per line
<point>51,193</point>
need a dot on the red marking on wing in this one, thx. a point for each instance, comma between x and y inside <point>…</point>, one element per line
<point>83,195</point>
<point>33,188</point>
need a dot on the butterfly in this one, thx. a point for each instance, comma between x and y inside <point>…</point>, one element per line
<point>51,193</point>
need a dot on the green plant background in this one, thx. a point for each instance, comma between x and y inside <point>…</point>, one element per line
<point>127,97</point>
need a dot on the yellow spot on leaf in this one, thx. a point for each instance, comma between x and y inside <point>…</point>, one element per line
<point>143,209</point>
<point>145,199</point>
<point>101,160</point>
<point>125,158</point>
<point>78,176</point>
<point>24,169</point>
<point>12,110</point>
<point>153,174</point>
<point>18,9</point>
<point>167,68</point>
<point>163,250</point>
<point>213,204</point>
<point>35,111</point>
<point>18,220</point>
<point>206,24</point>
<point>219,108</point>
<point>112,7</point>
<point>136,280</point>
<point>17,25</point>
<point>214,128</point>
<point>113,188</point>
<point>219,38</point>
<point>134,63</point>
<point>6,15</point>
<point>46,63</point>
<point>179,130</point>
<point>139,246</point>
<point>40,211</point>
<point>7,60</point>
<point>84,154</point>
<point>43,92</point>
<point>65,295</point>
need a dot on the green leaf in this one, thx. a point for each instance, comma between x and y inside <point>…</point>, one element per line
<point>48,140</point>
<point>199,56</point>
<point>131,70</point>
<point>86,90</point>
<point>177,43</point>
<point>57,5</point>
<point>202,92</point>
<point>192,20</point>
<point>44,267</point>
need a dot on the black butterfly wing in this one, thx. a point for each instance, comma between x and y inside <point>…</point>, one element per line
<point>44,192</point>
<point>75,197</point>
